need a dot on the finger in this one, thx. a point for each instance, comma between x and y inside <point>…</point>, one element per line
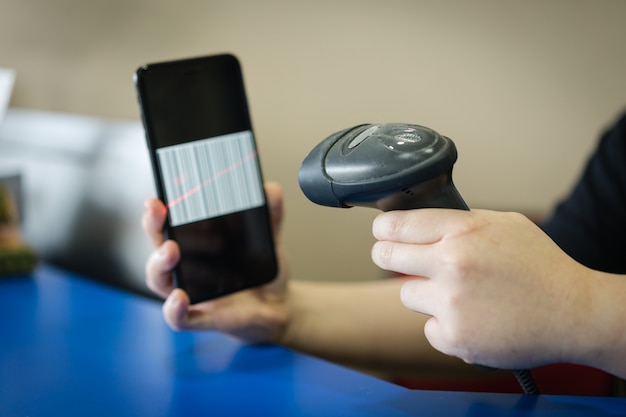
<point>434,335</point>
<point>159,268</point>
<point>405,258</point>
<point>417,226</point>
<point>181,315</point>
<point>275,200</point>
<point>417,295</point>
<point>175,309</point>
<point>153,219</point>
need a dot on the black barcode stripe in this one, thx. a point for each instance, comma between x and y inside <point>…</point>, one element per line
<point>195,174</point>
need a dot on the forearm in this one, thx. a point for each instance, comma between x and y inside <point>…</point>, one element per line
<point>363,324</point>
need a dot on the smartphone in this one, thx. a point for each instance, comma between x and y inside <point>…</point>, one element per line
<point>207,172</point>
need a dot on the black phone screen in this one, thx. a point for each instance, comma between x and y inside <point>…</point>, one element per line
<point>207,173</point>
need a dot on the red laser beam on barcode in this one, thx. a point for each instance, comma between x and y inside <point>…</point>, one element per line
<point>208,181</point>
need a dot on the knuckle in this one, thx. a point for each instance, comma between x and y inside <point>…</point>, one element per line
<point>397,223</point>
<point>455,260</point>
<point>387,225</point>
<point>382,254</point>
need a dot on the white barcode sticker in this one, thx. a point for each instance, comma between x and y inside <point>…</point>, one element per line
<point>211,177</point>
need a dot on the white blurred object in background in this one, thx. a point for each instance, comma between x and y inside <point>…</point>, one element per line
<point>7,79</point>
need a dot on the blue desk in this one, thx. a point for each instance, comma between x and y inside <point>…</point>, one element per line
<point>73,347</point>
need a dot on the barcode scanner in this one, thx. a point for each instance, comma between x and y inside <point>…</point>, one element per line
<point>393,166</point>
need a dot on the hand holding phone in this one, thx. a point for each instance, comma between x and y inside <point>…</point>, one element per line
<point>207,173</point>
<point>258,315</point>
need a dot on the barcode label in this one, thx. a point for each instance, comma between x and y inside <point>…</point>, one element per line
<point>211,177</point>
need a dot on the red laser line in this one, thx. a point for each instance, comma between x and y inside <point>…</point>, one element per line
<point>208,181</point>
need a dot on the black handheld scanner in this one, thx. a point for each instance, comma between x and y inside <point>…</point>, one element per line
<point>394,166</point>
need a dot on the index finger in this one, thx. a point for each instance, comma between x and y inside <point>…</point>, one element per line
<point>421,226</point>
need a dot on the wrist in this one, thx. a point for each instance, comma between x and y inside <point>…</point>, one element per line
<point>597,326</point>
<point>292,326</point>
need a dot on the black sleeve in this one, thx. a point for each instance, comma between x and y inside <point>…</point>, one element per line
<point>590,224</point>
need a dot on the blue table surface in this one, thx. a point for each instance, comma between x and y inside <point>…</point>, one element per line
<point>70,346</point>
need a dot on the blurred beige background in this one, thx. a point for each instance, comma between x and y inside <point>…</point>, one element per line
<point>523,88</point>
